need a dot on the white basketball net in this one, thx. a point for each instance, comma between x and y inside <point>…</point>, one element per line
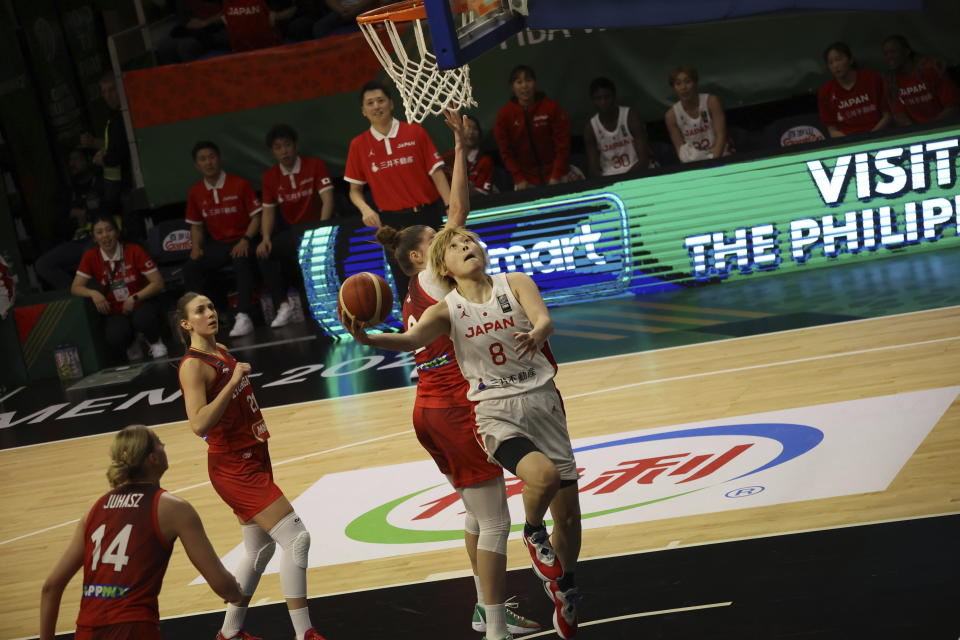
<point>423,87</point>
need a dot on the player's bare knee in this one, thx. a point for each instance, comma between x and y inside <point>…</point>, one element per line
<point>543,478</point>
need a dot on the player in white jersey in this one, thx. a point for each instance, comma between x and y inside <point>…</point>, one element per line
<point>696,122</point>
<point>615,138</point>
<point>499,326</point>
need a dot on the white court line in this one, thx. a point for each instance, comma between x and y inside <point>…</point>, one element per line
<point>703,374</point>
<point>12,393</point>
<point>570,397</point>
<point>598,359</point>
<point>643,614</point>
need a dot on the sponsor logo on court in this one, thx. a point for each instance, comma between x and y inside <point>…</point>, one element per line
<point>695,469</point>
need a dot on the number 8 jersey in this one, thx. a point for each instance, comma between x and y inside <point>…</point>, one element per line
<point>482,335</point>
<point>124,558</point>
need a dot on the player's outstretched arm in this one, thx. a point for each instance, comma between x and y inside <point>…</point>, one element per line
<point>68,565</point>
<point>179,519</point>
<point>434,322</point>
<point>459,205</point>
<point>528,295</point>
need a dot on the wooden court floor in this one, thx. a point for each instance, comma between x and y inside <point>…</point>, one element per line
<point>47,487</point>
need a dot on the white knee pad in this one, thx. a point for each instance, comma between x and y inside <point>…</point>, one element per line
<point>294,540</point>
<point>470,524</point>
<point>488,503</point>
<point>259,547</point>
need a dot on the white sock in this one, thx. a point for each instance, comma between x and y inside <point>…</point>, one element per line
<point>476,581</point>
<point>301,621</point>
<point>496,621</point>
<point>233,620</point>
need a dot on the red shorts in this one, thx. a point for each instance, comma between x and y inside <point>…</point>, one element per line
<point>121,631</point>
<point>450,436</point>
<point>244,479</point>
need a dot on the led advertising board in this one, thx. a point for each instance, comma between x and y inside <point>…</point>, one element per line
<point>813,208</point>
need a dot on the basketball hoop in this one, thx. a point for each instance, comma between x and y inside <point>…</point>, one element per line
<point>424,88</point>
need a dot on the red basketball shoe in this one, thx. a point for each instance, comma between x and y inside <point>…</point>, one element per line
<point>564,609</point>
<point>545,562</point>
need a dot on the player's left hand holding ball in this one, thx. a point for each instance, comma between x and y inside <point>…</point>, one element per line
<point>353,326</point>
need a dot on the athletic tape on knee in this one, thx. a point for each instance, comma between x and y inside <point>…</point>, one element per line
<point>259,548</point>
<point>294,540</point>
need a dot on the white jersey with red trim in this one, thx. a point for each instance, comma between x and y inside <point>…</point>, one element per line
<point>617,153</point>
<point>482,335</point>
<point>697,132</point>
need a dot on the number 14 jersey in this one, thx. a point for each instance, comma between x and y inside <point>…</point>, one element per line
<point>482,335</point>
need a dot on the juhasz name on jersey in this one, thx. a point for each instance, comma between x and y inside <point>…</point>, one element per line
<point>123,501</point>
<point>487,327</point>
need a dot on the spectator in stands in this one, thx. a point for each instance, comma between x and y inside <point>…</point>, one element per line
<point>401,165</point>
<point>696,123</point>
<point>919,88</point>
<point>300,24</point>
<point>113,157</point>
<point>224,215</point>
<point>854,100</point>
<point>199,29</point>
<point>342,13</point>
<point>301,188</point>
<point>615,137</point>
<point>533,134</point>
<point>479,164</point>
<point>126,286</point>
<point>252,24</point>
<point>57,266</point>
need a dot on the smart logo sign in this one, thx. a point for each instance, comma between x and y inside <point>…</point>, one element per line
<point>695,469</point>
<point>884,198</point>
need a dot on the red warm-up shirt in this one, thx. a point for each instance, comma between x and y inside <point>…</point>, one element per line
<point>549,127</point>
<point>297,192</point>
<point>857,109</point>
<point>397,166</point>
<point>224,208</point>
<point>923,94</point>
<point>248,25</point>
<point>479,169</point>
<point>119,276</point>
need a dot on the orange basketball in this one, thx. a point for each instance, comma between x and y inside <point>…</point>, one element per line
<point>366,297</point>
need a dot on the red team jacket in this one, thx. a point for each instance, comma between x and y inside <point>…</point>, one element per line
<point>241,424</point>
<point>440,384</point>
<point>550,129</point>
<point>124,558</point>
<point>127,276</point>
<point>479,170</point>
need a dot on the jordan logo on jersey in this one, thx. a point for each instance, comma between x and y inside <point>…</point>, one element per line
<point>463,312</point>
<point>504,303</point>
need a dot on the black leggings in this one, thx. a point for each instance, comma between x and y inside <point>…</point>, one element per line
<point>119,330</point>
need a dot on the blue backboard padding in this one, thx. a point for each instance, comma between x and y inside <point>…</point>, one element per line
<point>577,14</point>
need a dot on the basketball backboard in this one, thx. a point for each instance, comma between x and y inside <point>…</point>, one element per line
<point>463,29</point>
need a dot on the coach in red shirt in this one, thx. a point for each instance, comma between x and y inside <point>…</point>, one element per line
<point>921,90</point>
<point>855,100</point>
<point>224,215</point>
<point>402,166</point>
<point>300,187</point>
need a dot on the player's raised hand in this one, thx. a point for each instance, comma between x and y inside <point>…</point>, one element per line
<point>456,122</point>
<point>242,369</point>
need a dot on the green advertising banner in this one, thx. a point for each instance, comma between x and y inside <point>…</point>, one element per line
<point>745,62</point>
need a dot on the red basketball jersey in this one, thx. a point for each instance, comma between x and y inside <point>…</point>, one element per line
<point>440,384</point>
<point>124,557</point>
<point>241,424</point>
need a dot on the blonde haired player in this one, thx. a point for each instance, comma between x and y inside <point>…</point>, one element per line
<point>499,326</point>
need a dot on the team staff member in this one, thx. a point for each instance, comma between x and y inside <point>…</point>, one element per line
<point>301,188</point>
<point>225,208</point>
<point>403,168</point>
<point>223,410</point>
<point>126,283</point>
<point>854,100</point>
<point>922,90</point>
<point>124,543</point>
<point>533,134</point>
